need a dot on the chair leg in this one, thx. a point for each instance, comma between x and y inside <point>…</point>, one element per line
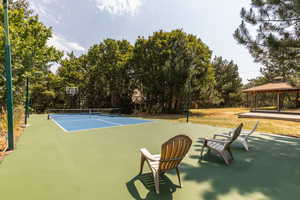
<point>178,175</point>
<point>201,155</point>
<point>225,158</point>
<point>156,182</point>
<point>230,152</point>
<point>245,144</point>
<point>226,161</point>
<point>143,159</point>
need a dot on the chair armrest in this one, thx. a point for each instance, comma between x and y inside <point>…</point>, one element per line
<point>148,155</point>
<point>227,133</point>
<point>216,140</point>
<point>203,139</point>
<point>222,135</point>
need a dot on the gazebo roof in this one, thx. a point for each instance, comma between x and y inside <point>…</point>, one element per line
<point>272,87</point>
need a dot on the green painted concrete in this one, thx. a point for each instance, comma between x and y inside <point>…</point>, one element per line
<point>103,164</point>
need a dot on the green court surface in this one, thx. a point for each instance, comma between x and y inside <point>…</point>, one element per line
<point>103,164</point>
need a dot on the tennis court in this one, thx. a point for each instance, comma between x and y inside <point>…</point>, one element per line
<point>104,164</point>
<point>85,119</point>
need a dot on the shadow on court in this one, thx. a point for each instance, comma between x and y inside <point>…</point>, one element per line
<point>166,187</point>
<point>270,170</point>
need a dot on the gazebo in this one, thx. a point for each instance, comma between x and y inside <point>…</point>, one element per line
<point>277,88</point>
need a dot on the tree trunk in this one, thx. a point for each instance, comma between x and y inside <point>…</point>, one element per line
<point>297,100</point>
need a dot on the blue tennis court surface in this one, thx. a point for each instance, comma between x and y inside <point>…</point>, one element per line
<point>78,122</point>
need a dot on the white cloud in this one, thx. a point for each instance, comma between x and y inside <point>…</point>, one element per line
<point>63,44</point>
<point>54,68</point>
<point>41,7</point>
<point>119,7</point>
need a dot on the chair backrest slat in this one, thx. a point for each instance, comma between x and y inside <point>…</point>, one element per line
<point>173,151</point>
<point>173,156</point>
<point>237,131</point>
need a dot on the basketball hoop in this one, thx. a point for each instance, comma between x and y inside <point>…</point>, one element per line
<point>72,90</point>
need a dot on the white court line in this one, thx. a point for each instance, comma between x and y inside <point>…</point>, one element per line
<point>59,125</point>
<point>70,118</point>
<point>105,121</point>
<point>74,120</point>
<point>113,123</point>
<point>139,124</point>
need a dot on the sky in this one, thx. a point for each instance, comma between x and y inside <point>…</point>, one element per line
<point>78,24</point>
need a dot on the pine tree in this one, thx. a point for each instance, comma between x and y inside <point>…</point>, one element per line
<point>277,39</point>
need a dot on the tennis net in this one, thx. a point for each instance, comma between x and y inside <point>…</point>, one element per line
<point>82,113</point>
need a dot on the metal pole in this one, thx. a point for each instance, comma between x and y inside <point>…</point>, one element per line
<point>188,102</point>
<point>27,100</point>
<point>278,101</point>
<point>255,101</point>
<point>187,113</point>
<point>8,72</point>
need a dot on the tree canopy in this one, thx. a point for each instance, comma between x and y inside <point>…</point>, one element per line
<point>161,66</point>
<point>170,69</point>
<point>164,65</point>
<point>30,52</point>
<point>276,40</point>
<point>228,82</point>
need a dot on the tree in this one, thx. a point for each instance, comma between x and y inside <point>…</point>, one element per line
<point>162,67</point>
<point>48,92</point>
<point>228,81</point>
<point>276,43</point>
<point>165,64</point>
<point>73,72</point>
<point>30,52</point>
<point>108,73</point>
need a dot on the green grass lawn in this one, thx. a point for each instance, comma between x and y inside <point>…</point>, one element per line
<point>103,164</point>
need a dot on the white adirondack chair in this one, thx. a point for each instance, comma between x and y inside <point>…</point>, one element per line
<point>222,146</point>
<point>243,138</point>
<point>172,152</point>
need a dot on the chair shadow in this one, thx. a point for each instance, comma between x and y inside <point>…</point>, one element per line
<point>270,169</point>
<point>167,188</point>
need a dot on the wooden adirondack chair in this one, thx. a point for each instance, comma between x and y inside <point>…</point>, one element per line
<point>222,146</point>
<point>243,138</point>
<point>172,152</point>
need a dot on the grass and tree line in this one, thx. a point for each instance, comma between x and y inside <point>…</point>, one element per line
<point>166,66</point>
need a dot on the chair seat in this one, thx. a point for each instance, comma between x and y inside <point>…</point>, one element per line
<point>216,145</point>
<point>154,164</point>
